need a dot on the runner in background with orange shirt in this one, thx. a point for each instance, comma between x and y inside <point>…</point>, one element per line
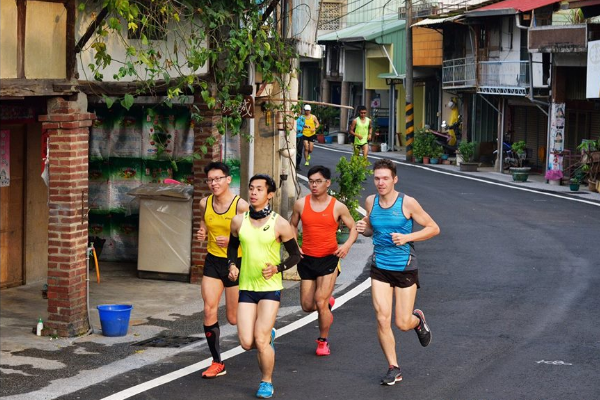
<point>320,215</point>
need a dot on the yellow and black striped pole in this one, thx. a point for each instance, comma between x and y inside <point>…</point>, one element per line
<point>410,128</point>
<point>410,131</point>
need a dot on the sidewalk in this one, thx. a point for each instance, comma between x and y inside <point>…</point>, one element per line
<point>536,181</point>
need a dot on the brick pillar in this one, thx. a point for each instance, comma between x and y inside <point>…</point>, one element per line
<point>202,131</point>
<point>67,124</point>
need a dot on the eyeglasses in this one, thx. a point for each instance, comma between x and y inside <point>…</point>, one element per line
<point>316,181</point>
<point>216,180</point>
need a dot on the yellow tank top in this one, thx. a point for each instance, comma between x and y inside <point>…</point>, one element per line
<point>309,126</point>
<point>219,225</point>
<point>362,128</point>
<point>259,246</point>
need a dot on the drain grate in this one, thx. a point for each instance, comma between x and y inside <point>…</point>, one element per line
<point>168,341</point>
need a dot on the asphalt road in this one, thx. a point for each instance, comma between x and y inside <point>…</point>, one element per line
<point>509,288</point>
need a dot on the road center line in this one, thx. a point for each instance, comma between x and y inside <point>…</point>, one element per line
<point>472,178</point>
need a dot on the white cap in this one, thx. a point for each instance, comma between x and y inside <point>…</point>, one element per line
<point>307,107</point>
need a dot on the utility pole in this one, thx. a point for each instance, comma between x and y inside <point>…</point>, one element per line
<point>410,129</point>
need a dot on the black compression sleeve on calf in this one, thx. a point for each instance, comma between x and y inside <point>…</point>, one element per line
<point>291,246</point>
<point>232,250</point>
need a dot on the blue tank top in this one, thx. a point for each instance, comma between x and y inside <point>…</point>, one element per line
<point>385,221</point>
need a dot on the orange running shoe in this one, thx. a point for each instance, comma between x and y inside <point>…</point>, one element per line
<point>215,369</point>
<point>323,348</point>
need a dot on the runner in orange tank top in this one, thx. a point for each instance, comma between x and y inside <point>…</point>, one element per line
<point>320,215</point>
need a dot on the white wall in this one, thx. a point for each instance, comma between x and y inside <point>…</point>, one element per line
<point>117,50</point>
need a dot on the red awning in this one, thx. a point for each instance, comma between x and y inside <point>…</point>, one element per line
<point>517,5</point>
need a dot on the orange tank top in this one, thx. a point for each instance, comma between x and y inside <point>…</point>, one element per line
<point>318,230</point>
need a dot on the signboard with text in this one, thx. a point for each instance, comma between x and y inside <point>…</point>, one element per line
<point>593,70</point>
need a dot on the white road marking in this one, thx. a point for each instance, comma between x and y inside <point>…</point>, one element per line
<point>143,387</point>
<point>473,178</point>
<point>553,362</point>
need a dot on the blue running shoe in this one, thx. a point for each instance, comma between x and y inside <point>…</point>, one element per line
<point>265,390</point>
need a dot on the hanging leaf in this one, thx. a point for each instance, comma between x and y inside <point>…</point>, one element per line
<point>127,101</point>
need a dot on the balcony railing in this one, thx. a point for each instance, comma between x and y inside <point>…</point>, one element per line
<point>503,77</point>
<point>458,72</point>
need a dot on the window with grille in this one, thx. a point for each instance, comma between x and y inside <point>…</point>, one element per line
<point>331,16</point>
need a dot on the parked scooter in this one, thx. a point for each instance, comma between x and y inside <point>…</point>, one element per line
<point>509,158</point>
<point>449,140</point>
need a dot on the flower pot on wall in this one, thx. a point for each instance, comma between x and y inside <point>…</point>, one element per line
<point>434,160</point>
<point>375,147</point>
<point>425,160</point>
<point>320,138</point>
<point>328,139</point>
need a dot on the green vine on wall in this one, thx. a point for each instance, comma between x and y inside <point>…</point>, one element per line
<point>223,35</point>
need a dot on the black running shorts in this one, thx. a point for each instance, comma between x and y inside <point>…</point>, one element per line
<point>217,267</point>
<point>248,296</point>
<point>400,279</point>
<point>310,268</point>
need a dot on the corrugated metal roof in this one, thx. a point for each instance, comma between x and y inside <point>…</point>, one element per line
<point>516,5</point>
<point>365,32</point>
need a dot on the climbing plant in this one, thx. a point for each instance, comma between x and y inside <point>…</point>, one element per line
<point>223,35</point>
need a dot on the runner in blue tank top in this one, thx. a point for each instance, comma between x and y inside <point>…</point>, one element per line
<point>394,272</point>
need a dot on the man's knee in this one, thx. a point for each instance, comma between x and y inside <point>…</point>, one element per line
<point>405,324</point>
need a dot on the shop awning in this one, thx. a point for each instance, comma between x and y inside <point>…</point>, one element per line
<point>391,75</point>
<point>508,7</point>
<point>437,21</point>
<point>366,31</point>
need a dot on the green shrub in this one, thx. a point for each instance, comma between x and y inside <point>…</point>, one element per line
<point>466,150</point>
<point>350,180</point>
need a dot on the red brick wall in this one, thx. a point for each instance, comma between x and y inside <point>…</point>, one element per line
<point>202,131</point>
<point>68,129</point>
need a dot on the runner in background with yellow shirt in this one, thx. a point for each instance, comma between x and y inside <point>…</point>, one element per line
<point>362,130</point>
<point>217,211</point>
<point>260,232</point>
<point>309,132</point>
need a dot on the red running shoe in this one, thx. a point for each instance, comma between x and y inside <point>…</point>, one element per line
<point>323,348</point>
<point>215,369</point>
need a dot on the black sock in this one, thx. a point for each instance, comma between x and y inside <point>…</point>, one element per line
<point>212,338</point>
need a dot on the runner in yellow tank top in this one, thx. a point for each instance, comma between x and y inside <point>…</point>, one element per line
<point>311,124</point>
<point>261,233</point>
<point>217,211</point>
<point>362,130</point>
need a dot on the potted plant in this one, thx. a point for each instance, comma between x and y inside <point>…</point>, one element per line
<point>419,145</point>
<point>467,151</point>
<point>436,153</point>
<point>425,145</point>
<point>553,176</point>
<point>326,115</point>
<point>351,176</point>
<point>520,173</point>
<point>321,134</point>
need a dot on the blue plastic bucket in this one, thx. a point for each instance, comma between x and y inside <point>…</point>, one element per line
<point>114,318</point>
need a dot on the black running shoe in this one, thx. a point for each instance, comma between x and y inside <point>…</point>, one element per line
<point>423,331</point>
<point>393,375</point>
